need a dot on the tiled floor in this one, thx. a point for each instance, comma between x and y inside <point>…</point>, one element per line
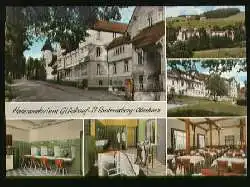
<point>33,172</point>
<point>158,168</point>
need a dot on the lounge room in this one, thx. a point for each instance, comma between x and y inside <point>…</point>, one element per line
<point>43,147</point>
<point>125,147</point>
<point>207,146</point>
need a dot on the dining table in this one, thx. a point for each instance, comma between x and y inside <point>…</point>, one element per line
<point>194,159</point>
<point>230,160</point>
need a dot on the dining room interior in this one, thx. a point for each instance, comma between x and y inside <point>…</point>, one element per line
<point>44,148</point>
<point>125,147</point>
<point>207,146</point>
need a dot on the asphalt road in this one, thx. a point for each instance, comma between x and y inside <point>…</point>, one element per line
<point>27,90</point>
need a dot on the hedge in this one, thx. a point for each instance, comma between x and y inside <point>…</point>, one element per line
<point>242,102</point>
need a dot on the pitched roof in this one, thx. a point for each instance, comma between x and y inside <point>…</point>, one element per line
<point>125,39</point>
<point>47,46</point>
<point>198,76</point>
<point>149,35</point>
<point>108,26</point>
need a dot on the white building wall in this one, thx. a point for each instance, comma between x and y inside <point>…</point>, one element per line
<point>18,134</point>
<point>62,131</point>
<point>47,55</point>
<point>141,15</point>
<point>224,132</point>
<point>88,70</point>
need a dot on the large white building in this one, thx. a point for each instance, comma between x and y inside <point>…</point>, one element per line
<point>115,53</point>
<point>88,64</point>
<point>139,54</point>
<point>194,85</point>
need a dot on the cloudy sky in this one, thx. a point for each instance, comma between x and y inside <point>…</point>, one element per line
<point>174,11</point>
<point>35,49</point>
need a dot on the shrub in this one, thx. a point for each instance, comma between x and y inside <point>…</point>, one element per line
<point>196,113</point>
<point>242,102</point>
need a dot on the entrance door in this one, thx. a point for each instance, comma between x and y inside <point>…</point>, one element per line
<point>131,135</point>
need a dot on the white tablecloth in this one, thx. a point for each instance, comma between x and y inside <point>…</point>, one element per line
<point>170,157</point>
<point>193,159</point>
<point>212,153</point>
<point>230,160</point>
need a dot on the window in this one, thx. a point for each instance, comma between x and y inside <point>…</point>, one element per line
<point>173,82</point>
<point>200,141</point>
<point>229,140</point>
<point>150,131</point>
<point>150,20</point>
<point>110,82</point>
<point>126,66</point>
<point>98,72</point>
<point>114,68</point>
<point>178,139</point>
<point>140,57</point>
<point>100,82</point>
<point>98,36</point>
<point>114,34</point>
<point>141,82</point>
<point>123,49</point>
<point>98,51</point>
<point>182,83</point>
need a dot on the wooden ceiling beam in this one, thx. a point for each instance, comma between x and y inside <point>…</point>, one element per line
<point>212,123</point>
<point>193,123</point>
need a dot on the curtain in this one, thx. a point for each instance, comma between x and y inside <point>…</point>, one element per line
<point>201,141</point>
<point>180,140</point>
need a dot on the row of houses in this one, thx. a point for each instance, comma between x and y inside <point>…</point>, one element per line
<point>185,34</point>
<point>194,85</point>
<point>115,54</point>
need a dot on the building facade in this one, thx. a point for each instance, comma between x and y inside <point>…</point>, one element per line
<point>87,65</point>
<point>186,33</point>
<point>115,53</point>
<point>147,31</point>
<point>195,86</point>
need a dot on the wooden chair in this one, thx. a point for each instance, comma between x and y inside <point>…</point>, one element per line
<point>178,164</point>
<point>187,166</point>
<point>238,167</point>
<point>33,162</point>
<point>208,172</point>
<point>45,164</point>
<point>60,166</point>
<point>208,160</point>
<point>222,167</point>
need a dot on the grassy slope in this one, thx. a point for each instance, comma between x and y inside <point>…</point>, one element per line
<point>220,22</point>
<point>221,53</point>
<point>208,108</point>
